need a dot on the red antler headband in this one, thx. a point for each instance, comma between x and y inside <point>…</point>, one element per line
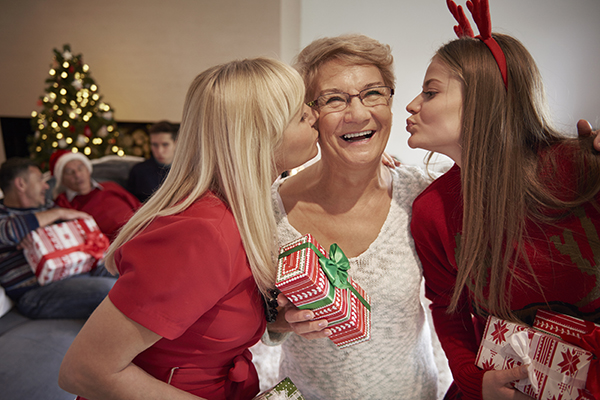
<point>480,10</point>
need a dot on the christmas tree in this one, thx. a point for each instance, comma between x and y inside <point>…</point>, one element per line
<point>73,115</point>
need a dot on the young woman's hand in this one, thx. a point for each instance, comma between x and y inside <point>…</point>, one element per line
<point>301,322</point>
<point>496,385</point>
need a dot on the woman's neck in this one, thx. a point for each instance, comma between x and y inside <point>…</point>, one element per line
<point>351,183</point>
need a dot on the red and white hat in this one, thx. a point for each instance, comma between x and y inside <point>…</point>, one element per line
<point>58,160</point>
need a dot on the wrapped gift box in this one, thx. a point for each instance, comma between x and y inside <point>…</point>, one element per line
<point>64,249</point>
<point>299,275</point>
<point>558,370</point>
<point>356,329</point>
<point>301,278</point>
<point>584,334</point>
<point>569,329</point>
<point>284,390</point>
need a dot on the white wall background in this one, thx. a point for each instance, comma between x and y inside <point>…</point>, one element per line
<point>562,35</point>
<point>144,53</point>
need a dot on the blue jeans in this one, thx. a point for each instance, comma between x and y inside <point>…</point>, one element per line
<point>75,297</point>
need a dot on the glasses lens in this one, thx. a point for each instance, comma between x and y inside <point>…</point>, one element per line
<point>375,96</point>
<point>333,101</point>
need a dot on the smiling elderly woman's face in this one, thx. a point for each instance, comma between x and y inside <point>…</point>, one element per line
<point>358,134</point>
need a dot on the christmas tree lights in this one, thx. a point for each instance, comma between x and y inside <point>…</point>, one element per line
<point>73,115</point>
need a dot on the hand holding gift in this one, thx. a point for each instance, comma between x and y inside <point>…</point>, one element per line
<point>557,366</point>
<point>313,281</point>
<point>301,322</point>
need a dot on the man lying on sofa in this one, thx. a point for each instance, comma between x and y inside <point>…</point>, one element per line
<point>108,202</point>
<point>23,210</point>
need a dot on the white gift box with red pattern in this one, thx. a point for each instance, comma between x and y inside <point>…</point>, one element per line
<point>581,333</point>
<point>68,248</point>
<point>558,370</point>
<point>302,280</point>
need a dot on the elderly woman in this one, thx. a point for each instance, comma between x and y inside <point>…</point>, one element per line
<point>349,197</point>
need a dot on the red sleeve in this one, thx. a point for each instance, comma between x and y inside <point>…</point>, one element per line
<point>174,271</point>
<point>126,196</point>
<point>435,226</point>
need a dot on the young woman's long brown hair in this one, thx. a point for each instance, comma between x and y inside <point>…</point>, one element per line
<point>505,131</point>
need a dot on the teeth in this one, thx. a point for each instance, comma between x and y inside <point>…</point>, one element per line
<point>357,134</point>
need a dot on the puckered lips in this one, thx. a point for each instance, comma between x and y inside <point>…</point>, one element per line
<point>358,136</point>
<point>409,125</point>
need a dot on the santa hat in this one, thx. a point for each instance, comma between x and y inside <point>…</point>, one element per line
<point>58,160</point>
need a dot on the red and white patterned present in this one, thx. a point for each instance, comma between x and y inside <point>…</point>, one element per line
<point>299,275</point>
<point>68,248</point>
<point>584,334</point>
<point>332,295</point>
<point>558,370</point>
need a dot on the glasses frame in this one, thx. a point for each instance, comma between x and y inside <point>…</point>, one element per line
<point>314,104</point>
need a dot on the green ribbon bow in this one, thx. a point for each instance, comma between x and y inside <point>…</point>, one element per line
<point>335,267</point>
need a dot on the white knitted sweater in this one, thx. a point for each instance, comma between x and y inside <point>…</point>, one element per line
<point>397,363</point>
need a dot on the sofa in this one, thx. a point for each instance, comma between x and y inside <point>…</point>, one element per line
<point>31,351</point>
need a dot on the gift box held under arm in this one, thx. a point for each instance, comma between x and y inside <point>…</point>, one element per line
<point>65,249</point>
<point>558,370</point>
<point>313,279</point>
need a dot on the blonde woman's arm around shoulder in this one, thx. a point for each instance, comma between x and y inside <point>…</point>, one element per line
<point>98,365</point>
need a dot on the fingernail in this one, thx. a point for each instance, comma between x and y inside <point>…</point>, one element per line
<point>307,315</point>
<point>322,324</point>
<point>327,332</point>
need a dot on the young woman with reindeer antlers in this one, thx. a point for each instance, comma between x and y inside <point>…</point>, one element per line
<point>514,226</point>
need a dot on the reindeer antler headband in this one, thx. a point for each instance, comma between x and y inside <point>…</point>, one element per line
<point>480,10</point>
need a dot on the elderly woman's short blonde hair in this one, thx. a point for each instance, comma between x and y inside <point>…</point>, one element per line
<point>351,48</point>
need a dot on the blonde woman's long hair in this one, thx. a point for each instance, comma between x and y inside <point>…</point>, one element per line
<point>504,131</point>
<point>233,122</point>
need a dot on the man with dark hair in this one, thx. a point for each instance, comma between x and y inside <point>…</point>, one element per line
<point>22,210</point>
<point>146,177</point>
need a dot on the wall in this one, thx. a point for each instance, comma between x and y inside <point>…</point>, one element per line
<point>562,35</point>
<point>144,53</point>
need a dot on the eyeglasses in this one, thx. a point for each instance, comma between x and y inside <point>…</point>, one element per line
<point>370,97</point>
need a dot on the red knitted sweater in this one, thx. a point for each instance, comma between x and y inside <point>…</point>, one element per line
<point>437,226</point>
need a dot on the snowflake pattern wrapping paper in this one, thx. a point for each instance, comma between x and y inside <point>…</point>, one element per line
<point>558,370</point>
<point>68,248</point>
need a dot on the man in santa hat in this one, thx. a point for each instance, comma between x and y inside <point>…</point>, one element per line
<point>108,202</point>
<point>22,210</point>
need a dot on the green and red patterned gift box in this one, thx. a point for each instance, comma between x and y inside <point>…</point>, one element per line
<point>284,390</point>
<point>315,279</point>
<point>562,352</point>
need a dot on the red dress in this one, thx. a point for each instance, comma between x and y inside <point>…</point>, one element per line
<point>186,277</point>
<point>110,205</point>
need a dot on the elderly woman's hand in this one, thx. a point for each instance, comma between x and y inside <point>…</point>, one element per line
<point>584,128</point>
<point>292,319</point>
<point>389,160</point>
